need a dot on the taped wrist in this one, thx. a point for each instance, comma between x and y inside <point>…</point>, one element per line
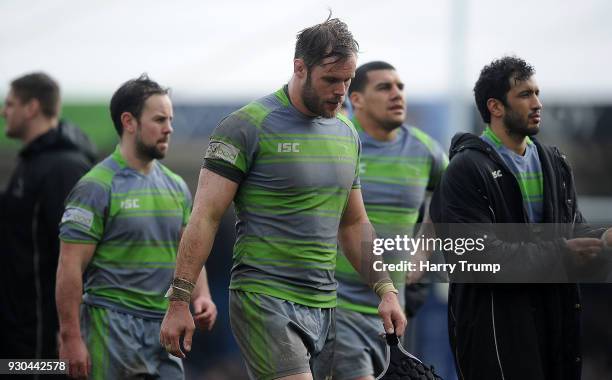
<point>384,286</point>
<point>181,290</point>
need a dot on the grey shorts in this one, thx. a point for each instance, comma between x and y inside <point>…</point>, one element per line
<point>360,350</point>
<point>280,338</point>
<point>123,346</point>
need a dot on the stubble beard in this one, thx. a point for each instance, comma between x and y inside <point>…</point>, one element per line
<point>147,152</point>
<point>313,102</point>
<point>516,125</point>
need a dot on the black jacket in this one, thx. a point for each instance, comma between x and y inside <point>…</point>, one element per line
<point>30,211</point>
<point>525,331</point>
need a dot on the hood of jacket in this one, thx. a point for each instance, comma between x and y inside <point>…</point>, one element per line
<point>65,137</point>
<point>463,140</point>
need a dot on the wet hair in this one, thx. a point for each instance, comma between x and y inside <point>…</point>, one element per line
<point>361,74</point>
<point>330,38</point>
<point>131,97</point>
<point>41,87</point>
<point>494,82</point>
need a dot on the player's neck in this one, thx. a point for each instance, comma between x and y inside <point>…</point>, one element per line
<point>374,129</point>
<point>512,141</point>
<point>37,128</point>
<point>295,97</point>
<point>133,160</point>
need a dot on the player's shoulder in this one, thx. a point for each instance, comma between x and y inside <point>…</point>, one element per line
<point>94,188</point>
<point>345,120</point>
<point>171,176</point>
<point>101,175</point>
<point>348,124</point>
<point>255,112</point>
<point>422,137</point>
<point>418,134</point>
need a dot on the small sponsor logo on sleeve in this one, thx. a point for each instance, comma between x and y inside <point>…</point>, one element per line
<point>221,150</point>
<point>79,216</point>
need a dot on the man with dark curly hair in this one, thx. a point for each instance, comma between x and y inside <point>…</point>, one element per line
<point>526,330</point>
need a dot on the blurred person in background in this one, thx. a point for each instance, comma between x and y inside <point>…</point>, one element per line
<point>399,167</point>
<point>289,161</point>
<point>121,228</point>
<point>54,155</point>
<point>515,331</point>
<point>346,108</point>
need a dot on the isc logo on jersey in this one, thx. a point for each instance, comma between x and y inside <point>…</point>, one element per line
<point>130,203</point>
<point>288,148</point>
<point>496,174</point>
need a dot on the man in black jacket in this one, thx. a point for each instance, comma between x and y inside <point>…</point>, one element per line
<point>514,331</point>
<point>54,156</point>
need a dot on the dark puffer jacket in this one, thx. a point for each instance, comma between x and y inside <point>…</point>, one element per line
<point>512,331</point>
<point>30,211</point>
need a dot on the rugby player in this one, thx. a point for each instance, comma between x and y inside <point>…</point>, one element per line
<point>289,162</point>
<point>399,167</point>
<point>121,227</point>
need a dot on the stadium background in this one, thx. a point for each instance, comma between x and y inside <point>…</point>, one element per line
<point>216,56</point>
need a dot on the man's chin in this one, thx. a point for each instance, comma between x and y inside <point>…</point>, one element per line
<point>533,129</point>
<point>328,112</point>
<point>393,123</point>
<point>154,154</point>
<point>524,130</point>
<point>10,134</point>
<point>160,155</point>
<point>329,115</point>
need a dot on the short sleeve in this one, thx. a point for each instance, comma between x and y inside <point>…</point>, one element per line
<point>232,146</point>
<point>84,214</point>
<point>349,123</point>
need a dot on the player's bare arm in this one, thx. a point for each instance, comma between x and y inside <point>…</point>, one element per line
<point>213,196</point>
<point>73,260</point>
<point>355,236</point>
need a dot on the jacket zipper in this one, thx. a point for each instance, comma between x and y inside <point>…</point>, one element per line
<point>501,370</point>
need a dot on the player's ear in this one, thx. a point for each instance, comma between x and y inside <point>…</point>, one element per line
<point>32,108</point>
<point>357,100</point>
<point>496,108</point>
<point>129,122</point>
<point>299,68</point>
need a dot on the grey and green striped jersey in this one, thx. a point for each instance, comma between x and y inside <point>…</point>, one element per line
<point>295,174</point>
<point>528,172</point>
<point>135,220</point>
<point>395,176</point>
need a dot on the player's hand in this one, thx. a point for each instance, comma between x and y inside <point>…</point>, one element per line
<point>585,248</point>
<point>177,323</point>
<point>205,312</point>
<point>74,351</point>
<point>394,319</point>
